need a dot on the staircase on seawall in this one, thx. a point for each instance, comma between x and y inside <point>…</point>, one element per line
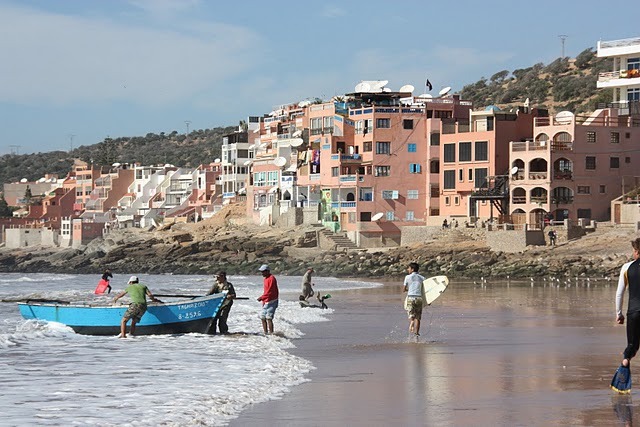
<point>340,240</point>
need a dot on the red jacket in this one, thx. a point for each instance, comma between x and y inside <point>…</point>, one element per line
<point>270,292</point>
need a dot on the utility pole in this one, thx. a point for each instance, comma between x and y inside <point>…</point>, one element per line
<point>187,122</point>
<point>71,136</point>
<point>562,37</point>
<point>15,149</point>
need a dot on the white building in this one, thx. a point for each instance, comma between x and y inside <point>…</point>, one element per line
<point>624,79</point>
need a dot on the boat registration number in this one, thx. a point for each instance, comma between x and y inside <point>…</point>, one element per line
<point>189,315</point>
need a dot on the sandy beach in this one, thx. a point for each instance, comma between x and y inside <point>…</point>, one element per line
<point>503,353</point>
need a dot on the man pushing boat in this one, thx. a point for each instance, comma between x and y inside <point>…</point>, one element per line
<point>138,294</point>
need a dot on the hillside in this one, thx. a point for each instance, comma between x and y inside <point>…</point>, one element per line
<point>564,84</point>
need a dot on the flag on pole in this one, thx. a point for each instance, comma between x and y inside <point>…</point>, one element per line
<point>429,85</point>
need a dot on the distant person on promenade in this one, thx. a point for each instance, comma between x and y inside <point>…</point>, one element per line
<point>220,320</point>
<point>552,237</point>
<point>413,287</point>
<point>307,286</point>
<point>104,284</point>
<point>630,278</point>
<point>269,299</point>
<point>445,224</point>
<point>138,306</point>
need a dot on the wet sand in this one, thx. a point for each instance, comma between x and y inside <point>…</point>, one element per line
<point>501,354</point>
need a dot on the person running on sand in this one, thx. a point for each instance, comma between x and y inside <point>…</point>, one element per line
<point>413,285</point>
<point>630,278</point>
<point>138,293</point>
<point>269,299</point>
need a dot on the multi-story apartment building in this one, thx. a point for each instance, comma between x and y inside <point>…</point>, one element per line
<point>475,161</point>
<point>624,79</point>
<point>237,155</point>
<point>574,166</point>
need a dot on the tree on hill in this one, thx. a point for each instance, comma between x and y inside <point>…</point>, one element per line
<point>5,210</point>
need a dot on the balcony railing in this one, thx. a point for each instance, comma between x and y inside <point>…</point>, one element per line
<point>561,146</point>
<point>539,199</point>
<point>538,175</point>
<point>343,205</point>
<point>518,146</point>
<point>558,174</point>
<point>519,200</point>
<point>562,200</point>
<point>347,158</point>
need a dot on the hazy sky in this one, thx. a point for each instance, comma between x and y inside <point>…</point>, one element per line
<point>94,69</point>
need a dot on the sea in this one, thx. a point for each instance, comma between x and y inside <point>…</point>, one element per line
<point>50,375</point>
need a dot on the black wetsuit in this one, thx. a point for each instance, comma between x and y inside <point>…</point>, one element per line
<point>633,310</point>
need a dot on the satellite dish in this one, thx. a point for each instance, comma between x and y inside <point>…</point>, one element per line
<point>564,117</point>
<point>296,142</point>
<point>380,84</point>
<point>279,161</point>
<point>304,103</point>
<point>444,91</point>
<point>297,134</point>
<point>514,170</point>
<point>407,88</point>
<point>386,89</point>
<point>363,87</point>
<point>216,161</point>
<point>247,163</point>
<point>425,95</point>
<point>377,216</point>
<point>23,180</point>
<point>115,165</point>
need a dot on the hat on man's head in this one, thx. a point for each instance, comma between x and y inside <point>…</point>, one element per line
<point>133,279</point>
<point>264,267</point>
<point>221,273</point>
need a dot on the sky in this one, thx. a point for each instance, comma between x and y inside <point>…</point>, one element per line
<point>74,72</point>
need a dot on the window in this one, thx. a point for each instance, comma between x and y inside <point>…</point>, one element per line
<point>482,152</point>
<point>383,147</point>
<point>627,135</point>
<point>365,216</point>
<point>411,148</point>
<point>591,137</point>
<point>388,194</point>
<point>383,123</point>
<point>481,178</point>
<point>414,168</point>
<point>368,126</point>
<point>409,216</point>
<point>627,159</point>
<point>359,126</point>
<point>633,94</point>
<point>584,189</point>
<point>367,146</point>
<point>584,213</point>
<point>614,162</point>
<point>447,200</point>
<point>335,171</point>
<point>603,189</point>
<point>435,139</point>
<point>259,179</point>
<point>633,63</point>
<point>382,171</point>
<point>590,163</point>
<point>470,174</point>
<point>412,194</point>
<point>449,153</point>
<point>449,180</point>
<point>407,123</point>
<point>615,137</point>
<point>456,200</point>
<point>390,216</point>
<point>272,178</point>
<point>316,126</point>
<point>464,152</point>
<point>434,166</point>
<point>460,175</point>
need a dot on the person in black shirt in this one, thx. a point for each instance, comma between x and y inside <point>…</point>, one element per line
<point>630,278</point>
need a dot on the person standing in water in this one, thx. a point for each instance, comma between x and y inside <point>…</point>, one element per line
<point>104,284</point>
<point>307,286</point>
<point>413,287</point>
<point>630,278</point>
<point>220,320</point>
<point>138,294</point>
<point>269,299</point>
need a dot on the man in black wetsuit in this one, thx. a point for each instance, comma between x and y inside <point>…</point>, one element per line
<point>630,278</point>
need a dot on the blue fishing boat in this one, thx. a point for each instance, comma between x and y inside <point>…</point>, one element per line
<point>176,317</point>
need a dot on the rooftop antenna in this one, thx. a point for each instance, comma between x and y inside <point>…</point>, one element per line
<point>71,136</point>
<point>187,122</point>
<point>15,149</point>
<point>562,37</point>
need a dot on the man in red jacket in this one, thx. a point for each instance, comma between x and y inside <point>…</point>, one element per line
<point>269,299</point>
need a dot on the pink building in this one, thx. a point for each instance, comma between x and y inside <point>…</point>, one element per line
<point>574,166</point>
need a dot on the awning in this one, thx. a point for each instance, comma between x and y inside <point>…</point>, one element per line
<point>273,189</point>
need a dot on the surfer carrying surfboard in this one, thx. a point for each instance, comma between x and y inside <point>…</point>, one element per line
<point>413,287</point>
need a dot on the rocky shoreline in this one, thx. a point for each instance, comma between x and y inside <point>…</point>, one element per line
<point>239,248</point>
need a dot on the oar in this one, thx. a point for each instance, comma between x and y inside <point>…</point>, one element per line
<point>43,300</point>
<point>187,296</point>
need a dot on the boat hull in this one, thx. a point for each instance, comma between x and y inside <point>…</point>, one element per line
<point>167,318</point>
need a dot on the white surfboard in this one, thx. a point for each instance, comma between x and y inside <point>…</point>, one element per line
<point>432,288</point>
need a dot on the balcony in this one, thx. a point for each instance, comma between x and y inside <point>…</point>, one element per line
<point>561,146</point>
<point>344,158</point>
<point>539,199</point>
<point>343,205</point>
<point>537,175</point>
<point>519,200</point>
<point>564,174</point>
<point>562,200</point>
